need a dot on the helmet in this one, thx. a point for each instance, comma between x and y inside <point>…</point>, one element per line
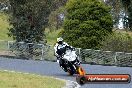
<point>60,40</point>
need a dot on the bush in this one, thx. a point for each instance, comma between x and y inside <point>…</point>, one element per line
<point>118,42</point>
<point>86,23</point>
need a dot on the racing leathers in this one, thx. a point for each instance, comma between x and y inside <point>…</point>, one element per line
<point>60,50</point>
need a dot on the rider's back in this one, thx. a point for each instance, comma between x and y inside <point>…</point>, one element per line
<point>60,48</point>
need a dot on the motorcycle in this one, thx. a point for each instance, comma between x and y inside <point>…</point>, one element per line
<point>71,63</point>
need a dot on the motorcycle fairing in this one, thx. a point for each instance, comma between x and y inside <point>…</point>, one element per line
<point>70,55</point>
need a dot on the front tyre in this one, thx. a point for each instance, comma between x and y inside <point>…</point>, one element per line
<point>81,80</point>
<point>71,69</point>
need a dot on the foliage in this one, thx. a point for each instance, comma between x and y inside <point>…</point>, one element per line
<point>86,23</point>
<point>121,9</point>
<point>56,17</point>
<point>119,42</point>
<point>29,19</point>
<point>127,9</point>
<point>4,25</point>
<point>116,10</point>
<point>59,3</point>
<point>55,20</point>
<point>2,1</point>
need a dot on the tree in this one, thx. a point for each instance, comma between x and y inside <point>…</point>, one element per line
<point>59,3</point>
<point>4,5</point>
<point>56,17</point>
<point>116,10</point>
<point>29,19</point>
<point>127,5</point>
<point>86,23</point>
<point>117,42</point>
<point>121,9</point>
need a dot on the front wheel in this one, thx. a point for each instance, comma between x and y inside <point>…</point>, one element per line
<point>81,80</point>
<point>71,69</point>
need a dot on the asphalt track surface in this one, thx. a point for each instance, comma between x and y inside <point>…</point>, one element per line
<point>53,69</point>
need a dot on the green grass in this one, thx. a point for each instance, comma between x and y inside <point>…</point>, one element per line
<point>4,25</point>
<point>52,36</point>
<point>3,45</point>
<point>17,80</point>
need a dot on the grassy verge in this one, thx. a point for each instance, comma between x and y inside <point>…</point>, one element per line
<point>3,45</point>
<point>52,36</point>
<point>4,25</point>
<point>17,80</point>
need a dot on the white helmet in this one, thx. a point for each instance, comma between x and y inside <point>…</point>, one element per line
<point>59,39</point>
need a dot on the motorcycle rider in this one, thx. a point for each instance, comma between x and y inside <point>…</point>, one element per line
<point>60,48</point>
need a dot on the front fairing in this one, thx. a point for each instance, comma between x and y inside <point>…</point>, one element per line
<point>70,55</point>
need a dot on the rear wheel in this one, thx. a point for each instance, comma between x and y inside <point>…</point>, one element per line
<point>81,80</point>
